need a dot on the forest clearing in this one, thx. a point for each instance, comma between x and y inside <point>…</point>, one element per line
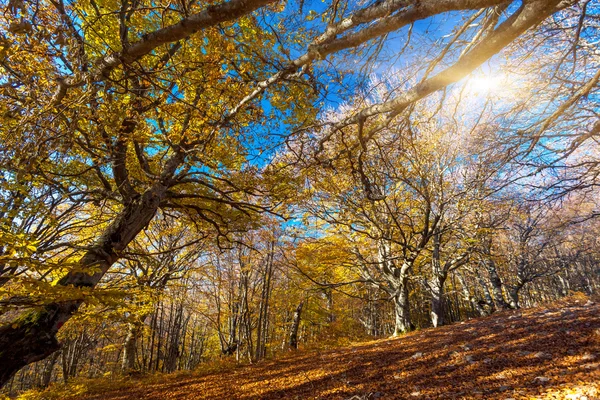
<point>546,352</point>
<point>310,198</point>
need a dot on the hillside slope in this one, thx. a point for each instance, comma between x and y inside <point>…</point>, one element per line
<point>548,353</point>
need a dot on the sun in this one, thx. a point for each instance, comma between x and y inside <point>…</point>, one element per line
<point>485,84</point>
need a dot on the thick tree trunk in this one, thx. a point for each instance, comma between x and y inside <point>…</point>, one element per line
<point>513,294</point>
<point>403,322</point>
<point>496,283</point>
<point>438,317</point>
<point>487,296</point>
<point>397,285</point>
<point>295,325</point>
<point>32,337</point>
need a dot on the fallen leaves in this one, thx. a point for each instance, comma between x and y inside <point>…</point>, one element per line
<point>550,354</point>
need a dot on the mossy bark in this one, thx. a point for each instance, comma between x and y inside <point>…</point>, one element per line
<point>28,339</point>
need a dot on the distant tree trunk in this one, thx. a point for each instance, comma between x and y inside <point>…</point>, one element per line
<point>295,325</point>
<point>476,303</point>
<point>66,359</point>
<point>436,284</point>
<point>48,369</point>
<point>487,296</point>
<point>230,344</point>
<point>72,354</point>
<point>174,338</point>
<point>159,336</point>
<point>130,346</point>
<point>245,315</point>
<point>564,285</point>
<point>369,317</point>
<point>153,339</point>
<point>496,283</point>
<point>263,311</point>
<point>329,299</point>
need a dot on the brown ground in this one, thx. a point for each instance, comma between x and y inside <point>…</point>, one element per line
<point>546,353</point>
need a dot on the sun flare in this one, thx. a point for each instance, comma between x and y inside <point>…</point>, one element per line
<point>486,84</point>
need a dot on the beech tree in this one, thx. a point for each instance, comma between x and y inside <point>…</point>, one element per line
<point>405,198</point>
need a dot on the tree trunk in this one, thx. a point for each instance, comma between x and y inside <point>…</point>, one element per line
<point>329,298</point>
<point>245,318</point>
<point>487,296</point>
<point>477,304</point>
<point>48,369</point>
<point>403,322</point>
<point>564,286</point>
<point>436,284</point>
<point>499,301</point>
<point>32,337</point>
<point>173,339</point>
<point>513,293</point>
<point>66,365</point>
<point>397,285</point>
<point>130,346</point>
<point>263,315</point>
<point>295,326</point>
<point>438,317</point>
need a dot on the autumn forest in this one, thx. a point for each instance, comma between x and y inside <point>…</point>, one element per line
<point>201,186</point>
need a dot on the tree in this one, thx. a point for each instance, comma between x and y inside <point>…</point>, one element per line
<point>406,195</point>
<point>131,148</point>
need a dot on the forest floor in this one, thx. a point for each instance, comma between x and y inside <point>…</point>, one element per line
<point>539,353</point>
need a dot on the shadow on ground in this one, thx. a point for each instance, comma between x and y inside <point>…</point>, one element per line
<point>537,353</point>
